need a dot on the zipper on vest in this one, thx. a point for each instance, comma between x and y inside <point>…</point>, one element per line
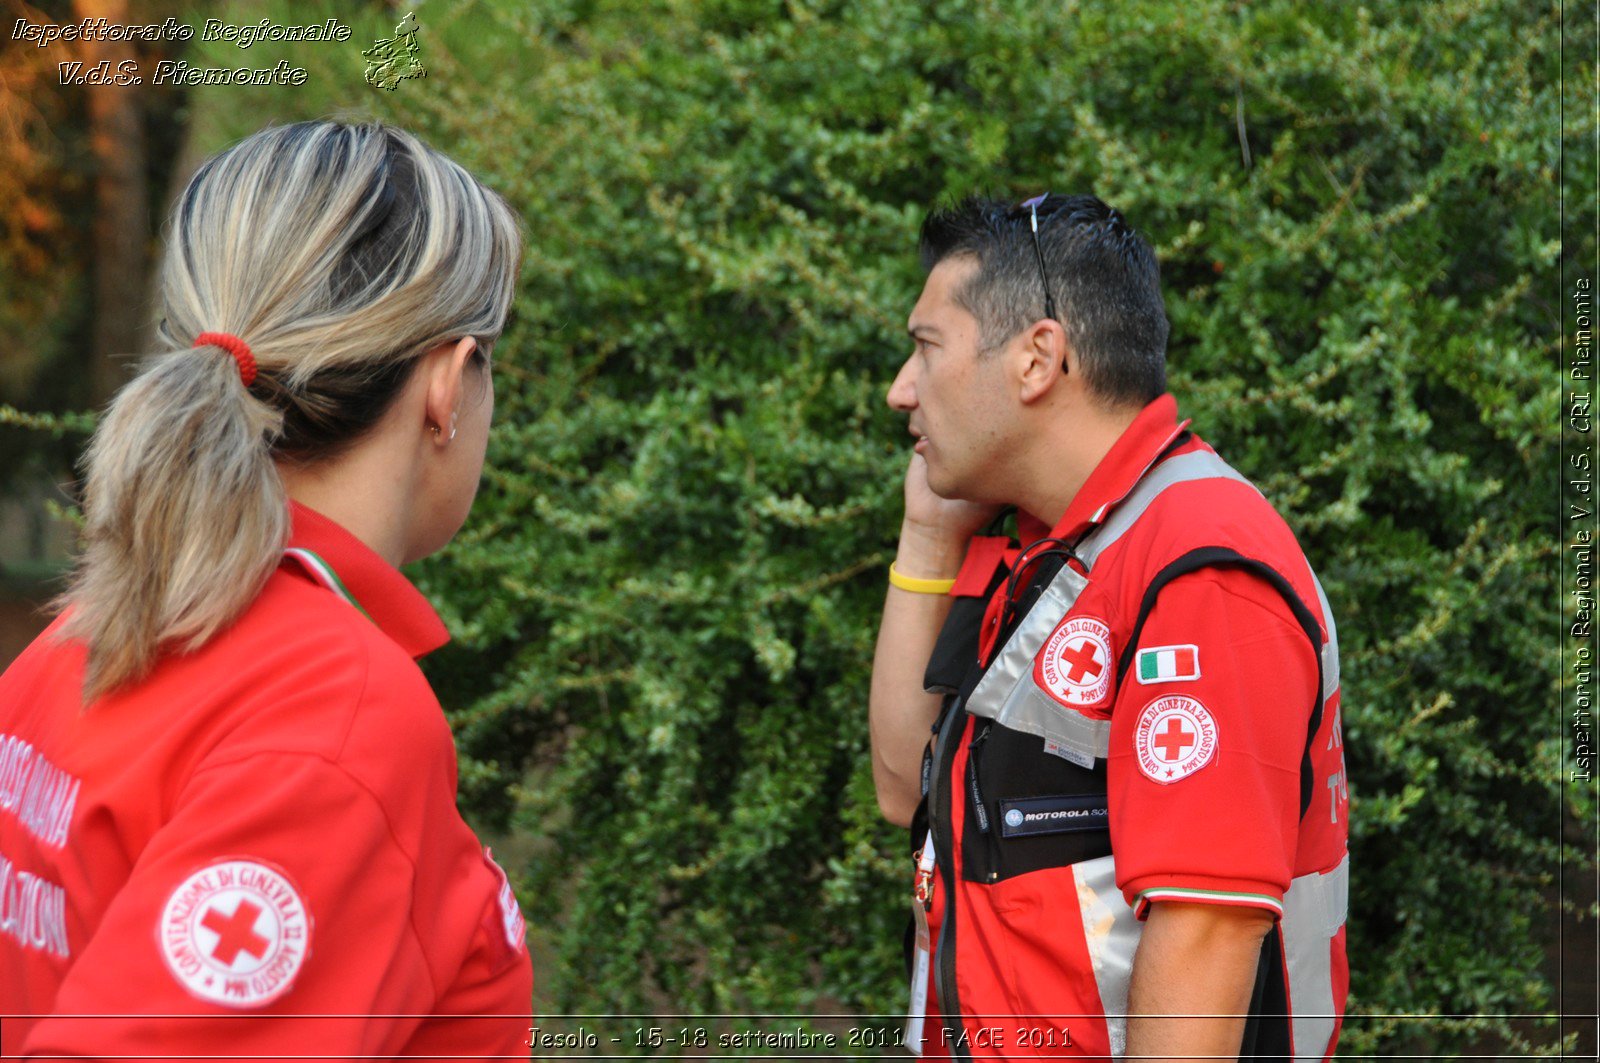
<point>981,814</point>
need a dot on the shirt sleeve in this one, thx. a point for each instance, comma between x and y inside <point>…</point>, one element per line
<point>273,911</point>
<point>1207,736</point>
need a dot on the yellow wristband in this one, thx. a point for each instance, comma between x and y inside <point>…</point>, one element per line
<point>918,586</point>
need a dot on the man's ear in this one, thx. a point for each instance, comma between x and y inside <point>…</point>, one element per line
<point>446,367</point>
<point>1046,358</point>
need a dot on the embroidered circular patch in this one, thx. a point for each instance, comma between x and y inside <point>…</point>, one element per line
<point>1176,736</point>
<point>1074,667</point>
<point>235,933</point>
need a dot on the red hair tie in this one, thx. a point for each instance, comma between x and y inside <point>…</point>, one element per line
<point>234,346</point>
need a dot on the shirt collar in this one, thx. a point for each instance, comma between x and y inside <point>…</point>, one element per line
<point>1124,465</point>
<point>378,588</point>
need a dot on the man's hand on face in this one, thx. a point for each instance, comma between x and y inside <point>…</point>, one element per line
<point>933,542</point>
<point>936,527</point>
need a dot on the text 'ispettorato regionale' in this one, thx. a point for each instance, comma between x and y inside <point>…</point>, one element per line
<point>171,71</point>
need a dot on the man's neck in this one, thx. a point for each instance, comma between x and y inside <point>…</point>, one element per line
<point>1057,468</point>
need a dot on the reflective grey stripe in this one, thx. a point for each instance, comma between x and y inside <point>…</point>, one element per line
<point>1330,643</point>
<point>1313,911</point>
<point>1201,465</point>
<point>1112,934</point>
<point>1007,693</point>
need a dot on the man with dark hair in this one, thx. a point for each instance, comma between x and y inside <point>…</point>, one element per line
<point>1130,821</point>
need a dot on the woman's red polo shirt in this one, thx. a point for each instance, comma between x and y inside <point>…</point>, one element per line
<point>256,850</point>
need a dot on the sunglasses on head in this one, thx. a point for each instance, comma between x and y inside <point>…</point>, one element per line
<point>1031,206</point>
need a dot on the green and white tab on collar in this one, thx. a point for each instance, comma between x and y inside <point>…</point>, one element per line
<point>324,574</point>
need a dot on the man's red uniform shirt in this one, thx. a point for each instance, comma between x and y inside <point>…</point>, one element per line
<point>1223,827</point>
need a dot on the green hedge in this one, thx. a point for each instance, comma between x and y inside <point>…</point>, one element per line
<point>666,598</point>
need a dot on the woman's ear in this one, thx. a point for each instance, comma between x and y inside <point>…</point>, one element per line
<point>445,367</point>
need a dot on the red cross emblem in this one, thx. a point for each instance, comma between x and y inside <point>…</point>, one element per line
<point>1176,736</point>
<point>236,933</point>
<point>1174,740</point>
<point>1074,665</point>
<point>1082,661</point>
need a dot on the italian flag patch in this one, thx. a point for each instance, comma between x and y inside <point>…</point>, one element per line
<point>1165,664</point>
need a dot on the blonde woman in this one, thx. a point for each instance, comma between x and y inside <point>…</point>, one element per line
<point>227,793</point>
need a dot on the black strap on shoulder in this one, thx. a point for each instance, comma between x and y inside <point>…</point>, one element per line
<point>955,648</point>
<point>1222,557</point>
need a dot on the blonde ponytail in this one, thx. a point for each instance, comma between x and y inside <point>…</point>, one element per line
<point>339,254</point>
<point>180,490</point>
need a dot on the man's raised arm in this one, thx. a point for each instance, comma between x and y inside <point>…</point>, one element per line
<point>933,540</point>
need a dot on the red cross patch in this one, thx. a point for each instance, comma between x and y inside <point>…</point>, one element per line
<point>1176,736</point>
<point>235,933</point>
<point>1074,666</point>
